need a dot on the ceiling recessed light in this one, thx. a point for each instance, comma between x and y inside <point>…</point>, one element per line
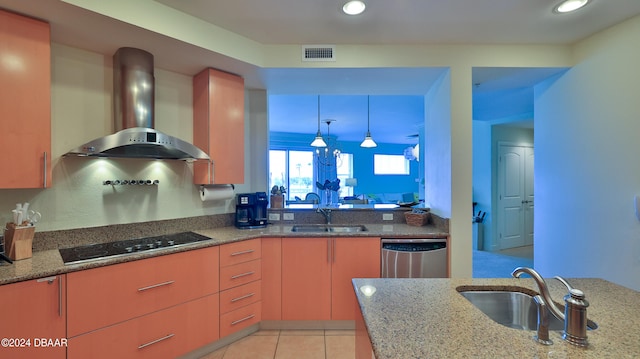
<point>569,6</point>
<point>355,7</point>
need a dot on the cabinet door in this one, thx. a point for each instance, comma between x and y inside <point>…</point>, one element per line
<point>306,278</point>
<point>235,298</point>
<point>33,311</point>
<point>353,258</point>
<point>239,274</point>
<point>218,127</point>
<point>239,319</point>
<point>240,252</point>
<point>167,333</point>
<point>272,278</point>
<point>25,102</point>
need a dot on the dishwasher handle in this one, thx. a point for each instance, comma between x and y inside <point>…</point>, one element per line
<point>414,247</point>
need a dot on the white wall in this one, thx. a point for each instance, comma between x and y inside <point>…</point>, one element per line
<point>587,125</point>
<point>482,173</point>
<point>81,111</point>
<point>437,148</point>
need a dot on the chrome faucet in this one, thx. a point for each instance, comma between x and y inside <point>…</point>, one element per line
<point>326,212</point>
<point>575,310</point>
<point>542,336</point>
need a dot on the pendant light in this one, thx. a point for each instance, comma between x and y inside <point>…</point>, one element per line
<point>318,141</point>
<point>368,141</point>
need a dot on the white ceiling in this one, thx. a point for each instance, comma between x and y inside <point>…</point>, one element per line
<point>501,93</point>
<point>408,21</point>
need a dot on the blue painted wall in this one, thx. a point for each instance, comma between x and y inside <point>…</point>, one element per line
<point>363,163</point>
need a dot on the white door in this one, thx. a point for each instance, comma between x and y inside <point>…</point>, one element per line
<point>528,196</point>
<point>515,196</point>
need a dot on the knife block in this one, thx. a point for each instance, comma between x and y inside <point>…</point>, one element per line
<point>18,241</point>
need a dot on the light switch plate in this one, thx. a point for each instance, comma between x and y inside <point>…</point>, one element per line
<point>387,216</point>
<point>274,216</point>
<point>287,216</point>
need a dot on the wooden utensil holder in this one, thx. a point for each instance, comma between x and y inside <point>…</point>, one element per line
<point>18,241</point>
<point>277,201</point>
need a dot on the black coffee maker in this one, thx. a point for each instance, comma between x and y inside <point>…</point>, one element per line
<point>251,210</point>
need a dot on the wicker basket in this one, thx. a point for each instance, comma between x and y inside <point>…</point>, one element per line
<point>416,219</point>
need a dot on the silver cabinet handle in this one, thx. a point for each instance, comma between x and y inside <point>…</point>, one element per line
<point>242,275</point>
<point>242,297</point>
<point>47,279</point>
<point>45,170</point>
<point>243,319</point>
<point>60,296</point>
<point>242,252</point>
<point>333,250</point>
<point>328,250</point>
<point>155,341</point>
<point>156,285</point>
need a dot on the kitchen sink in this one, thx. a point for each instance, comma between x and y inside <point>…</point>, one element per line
<point>513,309</point>
<point>323,228</point>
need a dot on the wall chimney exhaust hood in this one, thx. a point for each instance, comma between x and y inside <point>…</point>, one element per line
<point>133,105</point>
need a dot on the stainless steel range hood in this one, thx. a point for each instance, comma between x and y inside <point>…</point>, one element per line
<point>133,99</point>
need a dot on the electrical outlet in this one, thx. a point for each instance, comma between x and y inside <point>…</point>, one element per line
<point>287,216</point>
<point>387,216</point>
<point>274,216</point>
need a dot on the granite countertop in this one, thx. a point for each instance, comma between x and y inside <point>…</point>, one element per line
<point>49,263</point>
<point>428,318</point>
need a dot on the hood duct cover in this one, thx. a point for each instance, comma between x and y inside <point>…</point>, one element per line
<point>133,105</point>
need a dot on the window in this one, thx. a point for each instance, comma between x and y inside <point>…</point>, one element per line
<point>293,170</point>
<point>390,165</point>
<point>345,170</point>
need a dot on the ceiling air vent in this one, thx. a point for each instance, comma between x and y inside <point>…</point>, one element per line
<point>318,53</point>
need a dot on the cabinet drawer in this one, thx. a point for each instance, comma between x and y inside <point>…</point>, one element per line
<point>239,274</point>
<point>239,252</point>
<point>112,294</point>
<point>240,296</point>
<point>239,319</point>
<point>167,333</point>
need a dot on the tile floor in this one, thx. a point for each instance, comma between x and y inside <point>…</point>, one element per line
<point>291,344</point>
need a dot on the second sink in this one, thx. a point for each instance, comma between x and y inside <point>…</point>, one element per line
<point>512,309</point>
<point>335,228</point>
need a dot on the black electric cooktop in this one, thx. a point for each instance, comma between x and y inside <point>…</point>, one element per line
<point>91,252</point>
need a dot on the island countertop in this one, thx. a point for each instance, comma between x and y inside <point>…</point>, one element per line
<point>428,318</point>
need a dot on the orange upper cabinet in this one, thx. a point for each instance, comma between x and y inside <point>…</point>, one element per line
<point>25,102</point>
<point>218,127</point>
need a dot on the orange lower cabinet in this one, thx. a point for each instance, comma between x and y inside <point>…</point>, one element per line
<point>239,274</point>
<point>168,333</point>
<point>239,319</point>
<point>241,296</point>
<point>306,278</point>
<point>354,257</point>
<point>33,323</point>
<point>111,294</point>
<point>364,350</point>
<point>317,273</point>
<point>271,278</point>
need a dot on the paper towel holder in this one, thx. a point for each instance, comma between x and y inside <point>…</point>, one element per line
<point>221,185</point>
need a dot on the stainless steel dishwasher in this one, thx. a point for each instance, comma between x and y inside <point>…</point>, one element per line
<point>414,258</point>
